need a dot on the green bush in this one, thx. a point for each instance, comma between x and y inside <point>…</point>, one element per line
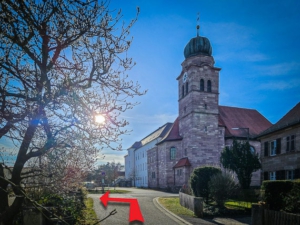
<point>199,180</point>
<point>65,207</point>
<point>292,199</point>
<point>275,192</point>
<point>221,187</point>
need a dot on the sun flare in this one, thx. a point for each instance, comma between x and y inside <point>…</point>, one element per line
<point>100,119</point>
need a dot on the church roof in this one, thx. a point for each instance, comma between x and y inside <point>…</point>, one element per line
<point>232,117</point>
<point>173,134</point>
<point>182,162</point>
<point>160,132</point>
<point>197,46</point>
<point>289,119</point>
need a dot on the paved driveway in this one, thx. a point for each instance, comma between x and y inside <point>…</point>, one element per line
<point>151,212</point>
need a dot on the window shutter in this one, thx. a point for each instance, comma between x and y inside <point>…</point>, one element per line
<point>266,176</point>
<point>278,146</point>
<point>297,174</point>
<point>287,143</point>
<point>292,142</point>
<point>280,175</point>
<point>266,148</point>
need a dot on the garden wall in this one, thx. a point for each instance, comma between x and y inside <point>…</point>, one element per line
<point>192,203</point>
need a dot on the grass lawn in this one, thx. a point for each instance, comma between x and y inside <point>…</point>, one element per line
<point>111,191</point>
<point>238,204</point>
<point>232,208</point>
<point>173,205</point>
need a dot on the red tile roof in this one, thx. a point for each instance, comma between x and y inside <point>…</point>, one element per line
<point>289,119</point>
<point>173,133</point>
<point>182,162</point>
<point>232,117</point>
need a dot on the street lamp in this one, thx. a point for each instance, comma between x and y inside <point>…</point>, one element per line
<point>242,128</point>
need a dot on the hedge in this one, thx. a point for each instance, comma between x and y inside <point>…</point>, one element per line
<point>282,195</point>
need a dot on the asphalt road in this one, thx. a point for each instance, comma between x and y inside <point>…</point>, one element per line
<point>151,212</point>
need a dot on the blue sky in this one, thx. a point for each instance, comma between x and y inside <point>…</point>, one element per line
<point>255,43</point>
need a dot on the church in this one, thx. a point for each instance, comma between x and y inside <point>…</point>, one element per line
<point>166,157</point>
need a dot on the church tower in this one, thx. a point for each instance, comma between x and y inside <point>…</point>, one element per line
<point>198,88</point>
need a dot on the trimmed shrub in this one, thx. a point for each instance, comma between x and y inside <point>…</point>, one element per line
<point>200,178</point>
<point>292,199</point>
<point>275,192</point>
<point>221,187</point>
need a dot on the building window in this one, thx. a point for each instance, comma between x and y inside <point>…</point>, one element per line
<point>252,149</point>
<point>179,172</point>
<point>290,143</point>
<point>153,175</point>
<point>205,106</point>
<point>290,175</point>
<point>208,86</point>
<point>182,91</point>
<point>172,153</point>
<point>185,152</point>
<point>186,88</point>
<point>275,147</point>
<point>201,85</point>
<point>272,175</point>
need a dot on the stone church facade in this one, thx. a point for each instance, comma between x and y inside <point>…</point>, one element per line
<point>203,128</point>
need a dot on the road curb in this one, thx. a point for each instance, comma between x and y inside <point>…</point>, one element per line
<point>174,217</point>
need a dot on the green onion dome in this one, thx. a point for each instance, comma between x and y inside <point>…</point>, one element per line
<point>198,46</point>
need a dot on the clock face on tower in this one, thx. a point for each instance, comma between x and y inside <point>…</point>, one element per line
<point>184,78</point>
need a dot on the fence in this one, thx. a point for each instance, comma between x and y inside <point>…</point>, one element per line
<point>263,216</point>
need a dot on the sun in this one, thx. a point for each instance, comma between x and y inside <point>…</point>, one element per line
<point>100,119</point>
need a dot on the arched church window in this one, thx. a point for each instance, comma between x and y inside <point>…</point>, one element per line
<point>208,86</point>
<point>252,149</point>
<point>201,85</point>
<point>186,88</point>
<point>172,153</point>
<point>182,91</point>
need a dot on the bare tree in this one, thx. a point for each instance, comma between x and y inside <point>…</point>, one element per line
<point>62,62</point>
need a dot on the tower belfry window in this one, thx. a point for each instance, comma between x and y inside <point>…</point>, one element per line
<point>186,88</point>
<point>201,85</point>
<point>208,86</point>
<point>182,91</point>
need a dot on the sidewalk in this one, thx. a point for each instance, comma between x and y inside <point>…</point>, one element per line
<point>219,220</point>
<point>200,221</point>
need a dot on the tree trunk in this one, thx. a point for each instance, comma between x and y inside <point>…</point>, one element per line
<point>3,191</point>
<point>7,216</point>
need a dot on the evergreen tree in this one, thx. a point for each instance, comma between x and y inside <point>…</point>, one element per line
<point>241,160</point>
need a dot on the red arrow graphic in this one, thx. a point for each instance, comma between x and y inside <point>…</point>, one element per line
<point>134,210</point>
